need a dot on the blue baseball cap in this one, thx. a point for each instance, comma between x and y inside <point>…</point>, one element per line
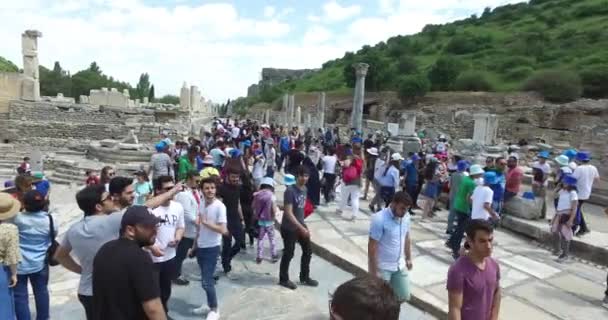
<point>160,146</point>
<point>570,153</point>
<point>569,180</point>
<point>489,177</point>
<point>462,165</point>
<point>583,156</point>
<point>235,153</point>
<point>543,154</point>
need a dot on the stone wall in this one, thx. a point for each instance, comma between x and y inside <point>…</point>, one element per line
<point>10,88</point>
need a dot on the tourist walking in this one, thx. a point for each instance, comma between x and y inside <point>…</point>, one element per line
<point>329,162</point>
<point>482,198</point>
<point>351,187</point>
<point>246,198</point>
<point>161,163</point>
<point>143,188</point>
<point>313,185</point>
<point>187,163</point>
<point>84,238</point>
<point>271,157</point>
<point>35,238</point>
<point>230,193</point>
<point>540,172</point>
<point>295,157</point>
<point>473,280</point>
<point>561,225</point>
<point>389,246</point>
<point>190,199</point>
<point>461,171</point>
<point>431,188</point>
<point>212,221</point>
<point>294,229</point>
<point>585,174</point>
<point>125,283</point>
<point>389,180</point>
<point>265,210</point>
<point>169,233</point>
<point>411,178</point>
<point>10,254</point>
<point>462,207</point>
<point>371,153</point>
<point>514,178</point>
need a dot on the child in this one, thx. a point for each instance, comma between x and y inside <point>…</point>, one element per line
<point>264,210</point>
<point>258,171</point>
<point>25,167</point>
<point>561,225</point>
<point>143,188</point>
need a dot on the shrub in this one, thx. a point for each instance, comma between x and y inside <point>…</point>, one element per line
<point>413,86</point>
<point>595,81</point>
<point>555,85</point>
<point>514,62</point>
<point>474,80</point>
<point>445,71</point>
<point>519,73</point>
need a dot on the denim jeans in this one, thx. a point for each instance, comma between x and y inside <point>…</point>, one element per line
<point>207,260</point>
<point>7,305</point>
<point>462,219</point>
<point>39,281</point>
<point>229,250</point>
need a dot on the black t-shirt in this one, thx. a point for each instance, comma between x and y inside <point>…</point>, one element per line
<point>231,196</point>
<point>368,143</point>
<point>123,278</point>
<point>295,158</point>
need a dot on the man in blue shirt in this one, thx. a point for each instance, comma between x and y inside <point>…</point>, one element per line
<point>410,178</point>
<point>389,246</point>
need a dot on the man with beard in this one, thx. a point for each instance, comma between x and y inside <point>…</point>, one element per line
<point>125,285</point>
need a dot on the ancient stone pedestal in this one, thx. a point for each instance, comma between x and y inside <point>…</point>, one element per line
<point>407,124</point>
<point>298,118</point>
<point>359,95</point>
<point>321,111</point>
<point>30,86</point>
<point>485,129</point>
<point>291,113</point>
<point>184,97</point>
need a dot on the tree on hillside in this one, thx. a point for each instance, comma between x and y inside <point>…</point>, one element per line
<point>555,85</point>
<point>412,87</point>
<point>444,73</point>
<point>143,86</point>
<point>407,65</point>
<point>595,81</point>
<point>55,81</point>
<point>7,66</point>
<point>94,67</point>
<point>169,99</point>
<point>151,94</point>
<point>379,75</point>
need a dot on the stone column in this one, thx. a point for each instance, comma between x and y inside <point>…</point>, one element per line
<point>184,97</point>
<point>267,116</point>
<point>359,95</point>
<point>298,118</point>
<point>291,113</point>
<point>485,129</point>
<point>308,120</point>
<point>285,110</point>
<point>407,124</point>
<point>30,86</point>
<point>321,110</point>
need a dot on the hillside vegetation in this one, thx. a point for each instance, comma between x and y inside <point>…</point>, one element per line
<point>550,46</point>
<point>7,66</point>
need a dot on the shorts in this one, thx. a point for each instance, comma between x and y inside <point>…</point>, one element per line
<point>399,281</point>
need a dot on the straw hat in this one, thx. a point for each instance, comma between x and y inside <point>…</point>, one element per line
<point>9,206</point>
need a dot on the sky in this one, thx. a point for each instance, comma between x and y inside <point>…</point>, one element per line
<point>220,46</point>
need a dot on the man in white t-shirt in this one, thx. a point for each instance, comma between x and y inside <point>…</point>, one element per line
<point>169,234</point>
<point>211,227</point>
<point>329,173</point>
<point>234,132</point>
<point>586,174</point>
<point>190,199</point>
<point>541,170</point>
<point>482,199</point>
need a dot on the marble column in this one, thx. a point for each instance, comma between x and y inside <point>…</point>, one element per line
<point>291,113</point>
<point>30,86</point>
<point>359,95</point>
<point>285,110</point>
<point>485,129</point>
<point>321,110</point>
<point>308,120</point>
<point>407,124</point>
<point>267,116</point>
<point>184,97</point>
<point>298,118</point>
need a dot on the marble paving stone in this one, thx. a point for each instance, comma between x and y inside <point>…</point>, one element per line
<point>511,308</point>
<point>500,252</point>
<point>586,271</point>
<point>431,244</point>
<point>561,304</point>
<point>349,228</point>
<point>324,234</point>
<point>505,238</point>
<point>510,276</point>
<point>428,297</point>
<point>428,270</point>
<point>439,291</point>
<point>422,235</point>
<point>530,266</point>
<point>585,289</point>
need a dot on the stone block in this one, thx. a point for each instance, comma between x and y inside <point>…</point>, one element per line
<point>108,143</point>
<point>523,208</point>
<point>30,89</point>
<point>129,146</point>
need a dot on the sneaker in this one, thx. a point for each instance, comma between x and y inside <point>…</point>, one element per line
<point>582,233</point>
<point>201,311</point>
<point>556,252</point>
<point>181,281</point>
<point>347,216</point>
<point>309,282</point>
<point>562,258</point>
<point>231,276</point>
<point>258,260</point>
<point>371,208</point>
<point>213,315</point>
<point>275,259</point>
<point>288,284</point>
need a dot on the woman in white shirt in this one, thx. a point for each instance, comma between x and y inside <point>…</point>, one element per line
<point>561,225</point>
<point>329,174</point>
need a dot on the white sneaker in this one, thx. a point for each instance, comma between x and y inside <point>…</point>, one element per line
<point>348,216</point>
<point>213,315</point>
<point>201,311</point>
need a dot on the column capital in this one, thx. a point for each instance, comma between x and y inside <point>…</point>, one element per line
<point>361,69</point>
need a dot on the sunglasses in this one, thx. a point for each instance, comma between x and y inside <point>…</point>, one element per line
<point>111,174</point>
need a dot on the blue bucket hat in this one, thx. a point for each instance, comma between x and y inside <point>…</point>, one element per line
<point>160,146</point>
<point>489,177</point>
<point>462,165</point>
<point>583,156</point>
<point>247,143</point>
<point>289,179</point>
<point>415,157</point>
<point>570,153</point>
<point>569,180</point>
<point>235,153</point>
<point>543,154</point>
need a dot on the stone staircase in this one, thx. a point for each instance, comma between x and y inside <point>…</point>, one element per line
<point>10,158</point>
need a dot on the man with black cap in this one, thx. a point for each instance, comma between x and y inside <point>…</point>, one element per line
<point>125,285</point>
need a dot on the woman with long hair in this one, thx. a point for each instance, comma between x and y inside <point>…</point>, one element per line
<point>389,180</point>
<point>10,255</point>
<point>107,173</point>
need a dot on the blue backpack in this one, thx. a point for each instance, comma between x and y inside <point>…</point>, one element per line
<point>284,144</point>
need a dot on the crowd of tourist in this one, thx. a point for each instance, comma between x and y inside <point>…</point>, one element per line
<point>211,196</point>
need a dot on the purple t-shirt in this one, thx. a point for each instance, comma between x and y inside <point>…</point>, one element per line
<point>477,287</point>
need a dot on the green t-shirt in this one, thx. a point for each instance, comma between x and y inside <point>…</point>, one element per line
<point>465,189</point>
<point>184,166</point>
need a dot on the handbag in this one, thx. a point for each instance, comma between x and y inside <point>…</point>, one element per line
<point>50,252</point>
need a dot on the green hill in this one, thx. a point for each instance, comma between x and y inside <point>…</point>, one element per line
<point>7,66</point>
<point>497,51</point>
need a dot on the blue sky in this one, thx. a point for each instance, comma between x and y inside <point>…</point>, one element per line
<point>220,46</point>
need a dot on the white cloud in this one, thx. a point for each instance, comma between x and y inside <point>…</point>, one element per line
<point>335,12</point>
<point>316,35</point>
<point>313,18</point>
<point>269,11</point>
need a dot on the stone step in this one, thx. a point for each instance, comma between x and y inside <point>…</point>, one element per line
<point>67,170</point>
<point>66,181</point>
<point>599,199</point>
<point>63,176</point>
